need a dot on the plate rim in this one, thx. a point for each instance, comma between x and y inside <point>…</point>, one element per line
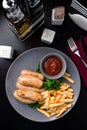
<point>22,54</point>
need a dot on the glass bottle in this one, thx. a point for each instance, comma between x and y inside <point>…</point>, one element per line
<point>34,10</point>
<point>18,21</point>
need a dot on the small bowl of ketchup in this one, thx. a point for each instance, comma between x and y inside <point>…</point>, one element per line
<point>53,65</point>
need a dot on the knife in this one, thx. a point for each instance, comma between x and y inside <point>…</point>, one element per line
<point>83,45</point>
<point>79,20</point>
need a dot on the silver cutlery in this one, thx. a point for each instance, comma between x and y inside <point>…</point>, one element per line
<point>79,7</point>
<point>80,20</point>
<point>74,49</point>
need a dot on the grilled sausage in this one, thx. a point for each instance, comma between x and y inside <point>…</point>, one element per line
<point>29,80</point>
<point>26,93</point>
<point>22,99</point>
<point>29,72</point>
<point>18,85</point>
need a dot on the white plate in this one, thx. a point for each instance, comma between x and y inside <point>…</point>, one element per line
<point>29,60</point>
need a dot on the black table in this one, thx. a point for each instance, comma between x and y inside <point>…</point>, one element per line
<point>10,119</point>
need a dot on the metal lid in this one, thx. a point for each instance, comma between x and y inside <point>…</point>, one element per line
<point>7,4</point>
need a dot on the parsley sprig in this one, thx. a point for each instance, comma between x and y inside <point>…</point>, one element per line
<point>34,105</point>
<point>49,84</point>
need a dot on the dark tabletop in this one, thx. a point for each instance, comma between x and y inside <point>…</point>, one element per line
<point>9,118</point>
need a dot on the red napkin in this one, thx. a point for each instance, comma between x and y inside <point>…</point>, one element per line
<point>79,64</point>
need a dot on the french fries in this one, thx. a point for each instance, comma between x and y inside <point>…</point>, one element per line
<point>56,102</point>
<point>67,77</point>
<point>53,102</point>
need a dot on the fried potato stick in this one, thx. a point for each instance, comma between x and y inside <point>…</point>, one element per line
<point>68,78</point>
<point>44,112</point>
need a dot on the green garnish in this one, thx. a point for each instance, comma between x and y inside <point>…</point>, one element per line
<point>34,105</point>
<point>49,84</point>
<point>38,68</point>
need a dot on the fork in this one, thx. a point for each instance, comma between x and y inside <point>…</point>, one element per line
<point>74,49</point>
<point>79,7</point>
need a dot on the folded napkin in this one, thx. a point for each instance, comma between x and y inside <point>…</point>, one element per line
<point>79,64</point>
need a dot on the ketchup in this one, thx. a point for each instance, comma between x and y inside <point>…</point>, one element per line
<point>52,65</point>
